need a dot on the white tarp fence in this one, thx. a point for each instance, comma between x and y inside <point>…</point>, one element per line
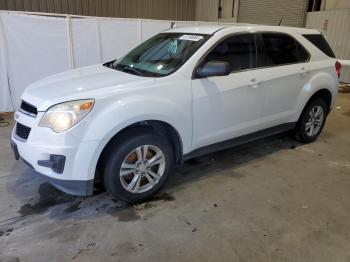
<point>5,98</point>
<point>35,46</point>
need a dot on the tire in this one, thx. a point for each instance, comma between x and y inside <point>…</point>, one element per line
<point>126,176</point>
<point>310,124</point>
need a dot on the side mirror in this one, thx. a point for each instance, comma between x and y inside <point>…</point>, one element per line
<point>213,68</point>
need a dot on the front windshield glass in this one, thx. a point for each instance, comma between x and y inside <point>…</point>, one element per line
<point>161,55</point>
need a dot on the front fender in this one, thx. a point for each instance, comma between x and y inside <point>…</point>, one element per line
<point>121,114</point>
<point>110,117</point>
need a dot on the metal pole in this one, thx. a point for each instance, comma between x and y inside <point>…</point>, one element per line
<point>70,38</point>
<point>140,31</point>
<point>99,40</point>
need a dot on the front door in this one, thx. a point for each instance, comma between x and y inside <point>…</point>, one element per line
<point>226,107</point>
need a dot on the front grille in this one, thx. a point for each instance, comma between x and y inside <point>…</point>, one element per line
<point>22,131</point>
<point>28,108</point>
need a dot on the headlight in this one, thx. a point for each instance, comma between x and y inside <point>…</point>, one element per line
<point>64,116</point>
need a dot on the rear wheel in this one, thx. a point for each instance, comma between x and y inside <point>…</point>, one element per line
<point>312,121</point>
<point>138,165</point>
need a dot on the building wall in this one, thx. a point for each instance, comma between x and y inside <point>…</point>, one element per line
<point>207,10</point>
<point>151,9</point>
<point>335,4</point>
<point>270,12</point>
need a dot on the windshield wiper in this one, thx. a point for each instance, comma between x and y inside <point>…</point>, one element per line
<point>132,69</point>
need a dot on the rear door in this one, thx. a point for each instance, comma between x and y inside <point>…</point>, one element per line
<point>283,64</point>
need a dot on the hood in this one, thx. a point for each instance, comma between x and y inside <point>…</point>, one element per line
<point>87,82</point>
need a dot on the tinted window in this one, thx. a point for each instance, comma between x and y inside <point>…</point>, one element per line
<point>320,42</point>
<point>239,51</point>
<point>279,49</point>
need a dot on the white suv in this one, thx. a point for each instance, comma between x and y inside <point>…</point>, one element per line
<point>183,93</point>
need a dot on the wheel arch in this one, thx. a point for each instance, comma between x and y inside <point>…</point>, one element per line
<point>160,127</point>
<point>323,85</point>
<point>324,94</point>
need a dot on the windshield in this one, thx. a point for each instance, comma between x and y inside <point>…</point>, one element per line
<point>161,55</point>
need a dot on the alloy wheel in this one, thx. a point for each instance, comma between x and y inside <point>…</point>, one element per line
<point>315,120</point>
<point>142,168</point>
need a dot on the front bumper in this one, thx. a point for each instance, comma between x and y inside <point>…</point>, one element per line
<point>62,159</point>
<point>73,187</point>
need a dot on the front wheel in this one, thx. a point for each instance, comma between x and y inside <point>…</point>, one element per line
<point>138,165</point>
<point>312,121</point>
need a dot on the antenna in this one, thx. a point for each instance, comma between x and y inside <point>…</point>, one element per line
<point>280,22</point>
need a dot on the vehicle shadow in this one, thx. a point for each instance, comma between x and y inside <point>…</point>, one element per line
<point>230,159</point>
<point>39,197</point>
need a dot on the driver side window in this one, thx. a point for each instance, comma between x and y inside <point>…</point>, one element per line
<point>238,50</point>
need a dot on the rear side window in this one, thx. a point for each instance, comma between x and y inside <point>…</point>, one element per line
<point>321,43</point>
<point>280,49</point>
<point>238,50</point>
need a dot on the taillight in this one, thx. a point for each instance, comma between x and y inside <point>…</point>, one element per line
<point>338,68</point>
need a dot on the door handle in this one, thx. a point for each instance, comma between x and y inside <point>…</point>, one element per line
<point>303,72</point>
<point>254,83</point>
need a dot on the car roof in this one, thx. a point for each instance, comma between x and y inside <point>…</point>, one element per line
<point>213,28</point>
<point>200,29</point>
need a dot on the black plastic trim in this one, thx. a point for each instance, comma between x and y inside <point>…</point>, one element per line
<point>15,150</point>
<point>22,132</point>
<point>72,187</point>
<point>239,140</point>
<point>28,109</point>
<point>56,163</point>
<point>26,113</point>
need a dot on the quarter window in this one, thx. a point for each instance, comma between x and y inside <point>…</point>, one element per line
<point>239,51</point>
<point>281,49</point>
<point>321,43</point>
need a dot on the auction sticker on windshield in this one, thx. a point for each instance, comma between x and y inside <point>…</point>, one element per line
<point>191,37</point>
<point>173,47</point>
